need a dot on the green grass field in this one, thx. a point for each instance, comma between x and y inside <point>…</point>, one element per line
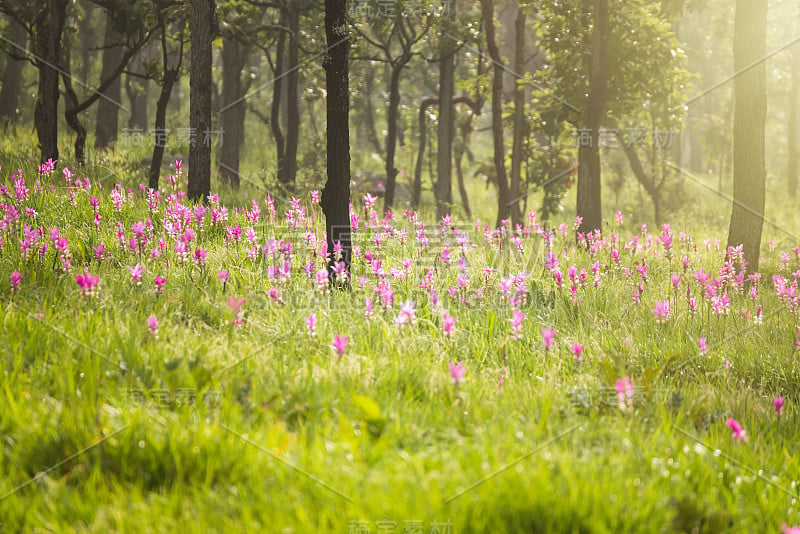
<point>218,421</point>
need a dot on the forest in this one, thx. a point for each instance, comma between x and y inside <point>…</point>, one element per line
<point>399,265</point>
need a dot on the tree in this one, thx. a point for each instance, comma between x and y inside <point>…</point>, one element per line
<point>589,205</point>
<point>520,123</point>
<point>749,124</point>
<point>12,77</point>
<point>202,27</point>
<point>168,79</point>
<point>446,128</point>
<point>107,123</point>
<point>335,200</point>
<point>503,200</point>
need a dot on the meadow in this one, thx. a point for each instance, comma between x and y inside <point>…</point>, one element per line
<point>169,367</point>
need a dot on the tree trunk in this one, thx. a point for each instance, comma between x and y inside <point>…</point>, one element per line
<point>12,78</point>
<point>169,80</point>
<point>503,207</point>
<point>423,138</point>
<point>335,200</point>
<point>589,202</point>
<point>646,181</point>
<point>446,128</point>
<point>275,110</point>
<point>201,23</point>
<point>794,124</point>
<point>749,170</point>
<point>292,94</point>
<point>71,107</point>
<point>391,130</point>
<point>47,45</point>
<point>234,108</point>
<point>108,107</point>
<point>137,89</point>
<point>520,124</point>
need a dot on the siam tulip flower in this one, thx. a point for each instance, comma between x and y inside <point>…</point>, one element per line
<point>87,283</point>
<point>152,324</point>
<point>618,217</point>
<point>315,196</point>
<point>311,324</point>
<point>407,314</point>
<point>703,347</point>
<point>339,345</point>
<point>16,277</point>
<point>625,392</point>
<point>368,307</point>
<point>778,402</point>
<point>200,257</point>
<point>548,336</point>
<point>739,433</point>
<point>457,372</point>
<point>448,324</point>
<point>797,343</point>
<point>159,283</point>
<point>136,274</point>
<point>577,350</point>
<point>786,529</point>
<point>676,280</point>
<point>99,252</point>
<point>223,276</point>
<point>662,311</point>
<point>235,304</point>
<point>516,324</point>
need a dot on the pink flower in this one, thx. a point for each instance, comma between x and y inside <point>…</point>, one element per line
<point>86,283</point>
<point>798,341</point>
<point>448,324</point>
<point>739,433</point>
<point>703,347</point>
<point>235,304</point>
<point>200,257</point>
<point>223,276</point>
<point>785,529</point>
<point>339,345</point>
<point>136,274</point>
<point>407,314</point>
<point>15,279</point>
<point>548,336</point>
<point>152,324</point>
<point>160,281</point>
<point>625,392</point>
<point>662,311</point>
<point>778,402</point>
<point>577,350</point>
<point>516,324</point>
<point>311,324</point>
<point>457,372</point>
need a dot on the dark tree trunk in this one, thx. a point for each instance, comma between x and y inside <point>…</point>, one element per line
<point>292,94</point>
<point>648,182</point>
<point>137,89</point>
<point>749,170</point>
<point>391,130</point>
<point>589,202</point>
<point>503,206</point>
<point>416,194</point>
<point>446,128</point>
<point>277,90</point>
<point>520,124</point>
<point>86,40</point>
<point>12,78</point>
<point>169,80</point>
<point>201,23</point>
<point>47,45</point>
<point>335,200</point>
<point>233,110</point>
<point>71,108</point>
<point>794,124</point>
<point>108,107</point>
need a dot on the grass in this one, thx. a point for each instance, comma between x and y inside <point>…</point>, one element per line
<point>261,427</point>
